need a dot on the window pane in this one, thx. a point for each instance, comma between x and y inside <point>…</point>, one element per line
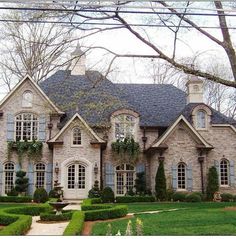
<point>201,119</point>
<point>181,176</point>
<point>76,136</point>
<point>224,172</point>
<point>9,177</point>
<point>124,127</point>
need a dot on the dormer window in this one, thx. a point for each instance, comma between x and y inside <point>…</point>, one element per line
<point>124,126</point>
<point>27,99</point>
<point>201,119</point>
<point>76,136</point>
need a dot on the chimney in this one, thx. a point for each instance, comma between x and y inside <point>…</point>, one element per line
<point>194,90</point>
<point>78,62</point>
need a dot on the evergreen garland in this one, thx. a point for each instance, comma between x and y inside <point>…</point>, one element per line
<point>212,183</point>
<point>160,186</point>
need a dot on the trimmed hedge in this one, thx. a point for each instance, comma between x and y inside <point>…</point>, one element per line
<point>7,219</point>
<point>75,226</point>
<point>130,199</point>
<point>95,207</point>
<point>102,214</point>
<point>90,201</point>
<point>193,197</point>
<point>16,199</point>
<point>179,197</point>
<point>19,227</point>
<point>51,216</point>
<point>227,197</point>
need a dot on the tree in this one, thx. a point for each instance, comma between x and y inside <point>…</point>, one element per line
<point>140,183</point>
<point>212,183</point>
<point>21,182</point>
<point>160,186</point>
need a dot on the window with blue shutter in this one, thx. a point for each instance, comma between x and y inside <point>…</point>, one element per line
<point>231,172</point>
<point>49,177</point>
<point>10,127</point>
<point>189,178</point>
<point>30,175</point>
<point>42,128</point>
<point>140,168</point>
<point>174,177</point>
<point>109,175</point>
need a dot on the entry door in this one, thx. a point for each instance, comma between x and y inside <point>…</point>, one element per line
<point>76,182</point>
<point>124,182</point>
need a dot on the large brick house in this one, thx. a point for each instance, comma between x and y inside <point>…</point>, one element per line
<point>77,115</point>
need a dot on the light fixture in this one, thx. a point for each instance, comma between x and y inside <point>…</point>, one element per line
<point>56,168</point>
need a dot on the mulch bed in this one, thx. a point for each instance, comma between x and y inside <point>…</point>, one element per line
<point>88,225</point>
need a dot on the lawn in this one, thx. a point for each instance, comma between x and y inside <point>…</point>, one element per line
<point>191,219</point>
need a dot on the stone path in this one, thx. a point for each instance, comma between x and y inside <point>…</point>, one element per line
<point>50,229</point>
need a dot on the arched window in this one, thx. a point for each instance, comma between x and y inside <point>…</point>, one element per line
<point>201,119</point>
<point>224,172</point>
<point>76,136</point>
<point>124,126</point>
<point>27,99</point>
<point>124,178</point>
<point>26,125</point>
<point>9,177</point>
<point>40,175</point>
<point>181,177</point>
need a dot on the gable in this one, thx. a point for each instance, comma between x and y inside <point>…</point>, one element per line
<point>39,97</point>
<point>181,122</point>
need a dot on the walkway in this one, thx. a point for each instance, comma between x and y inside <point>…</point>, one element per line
<point>50,228</point>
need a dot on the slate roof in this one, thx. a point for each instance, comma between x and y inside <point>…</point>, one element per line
<point>95,98</point>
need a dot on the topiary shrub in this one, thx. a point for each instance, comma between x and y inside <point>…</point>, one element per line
<point>95,192</point>
<point>21,182</point>
<point>40,195</point>
<point>179,197</point>
<point>107,195</point>
<point>140,183</point>
<point>169,194</point>
<point>53,194</point>
<point>193,197</point>
<point>160,186</point>
<point>227,197</point>
<point>212,183</point>
<point>51,216</point>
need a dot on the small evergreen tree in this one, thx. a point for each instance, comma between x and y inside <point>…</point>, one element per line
<point>21,182</point>
<point>140,183</point>
<point>212,183</point>
<point>160,186</point>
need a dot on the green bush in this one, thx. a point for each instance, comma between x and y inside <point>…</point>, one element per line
<point>234,198</point>
<point>169,194</point>
<point>212,183</point>
<point>53,194</point>
<point>40,195</point>
<point>51,216</point>
<point>95,192</point>
<point>13,192</point>
<point>107,195</point>
<point>21,182</point>
<point>90,201</point>
<point>103,214</point>
<point>15,199</point>
<point>140,183</point>
<point>19,227</point>
<point>160,180</point>
<point>130,199</point>
<point>193,197</point>
<point>75,226</point>
<point>226,197</point>
<point>7,219</point>
<point>179,196</point>
<point>95,207</point>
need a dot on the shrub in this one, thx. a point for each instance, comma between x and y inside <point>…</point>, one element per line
<point>53,194</point>
<point>179,197</point>
<point>21,182</point>
<point>95,192</point>
<point>193,197</point>
<point>7,219</point>
<point>130,192</point>
<point>226,197</point>
<point>75,226</point>
<point>140,183</point>
<point>95,207</point>
<point>13,192</point>
<point>15,199</point>
<point>160,186</point>
<point>51,216</point>
<point>103,214</point>
<point>40,195</point>
<point>107,195</point>
<point>130,199</point>
<point>234,198</point>
<point>212,183</point>
<point>169,194</point>
<point>90,201</point>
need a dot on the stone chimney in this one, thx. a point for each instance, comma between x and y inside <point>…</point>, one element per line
<point>194,90</point>
<point>78,62</point>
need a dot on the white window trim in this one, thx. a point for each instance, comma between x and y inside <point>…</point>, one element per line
<point>4,177</point>
<point>72,138</point>
<point>185,169</point>
<point>35,175</point>
<point>228,175</point>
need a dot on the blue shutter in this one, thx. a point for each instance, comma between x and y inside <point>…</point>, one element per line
<point>49,177</point>
<point>42,128</point>
<point>10,127</point>
<point>217,170</point>
<point>140,168</point>
<point>30,175</point>
<point>109,175</point>
<point>18,167</point>
<point>231,173</point>
<point>1,177</point>
<point>174,177</point>
<point>189,178</point>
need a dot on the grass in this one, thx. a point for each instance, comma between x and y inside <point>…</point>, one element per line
<point>193,219</point>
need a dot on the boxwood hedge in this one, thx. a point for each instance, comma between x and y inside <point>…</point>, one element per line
<point>51,216</point>
<point>130,199</point>
<point>16,199</point>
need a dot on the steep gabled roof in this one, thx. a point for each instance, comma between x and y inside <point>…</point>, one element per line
<point>17,86</point>
<point>170,130</point>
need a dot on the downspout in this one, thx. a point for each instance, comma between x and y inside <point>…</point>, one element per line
<point>101,171</point>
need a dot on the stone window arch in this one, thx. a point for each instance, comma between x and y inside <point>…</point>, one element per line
<point>201,119</point>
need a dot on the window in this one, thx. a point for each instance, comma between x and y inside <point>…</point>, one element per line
<point>76,136</point>
<point>27,99</point>
<point>26,127</point>
<point>181,176</point>
<point>224,172</point>
<point>124,178</point>
<point>124,126</point>
<point>76,176</point>
<point>39,175</point>
<point>9,177</point>
<point>201,119</point>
